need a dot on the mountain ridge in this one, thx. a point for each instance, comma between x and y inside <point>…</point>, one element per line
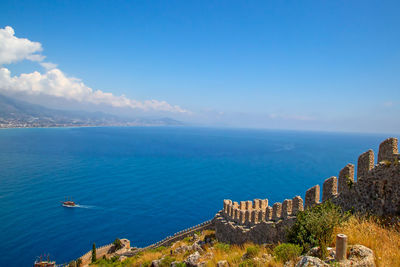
<point>16,113</point>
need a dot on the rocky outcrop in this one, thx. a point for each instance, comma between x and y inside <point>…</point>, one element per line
<point>359,256</point>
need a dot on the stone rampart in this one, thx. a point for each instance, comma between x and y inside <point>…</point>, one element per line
<point>376,191</point>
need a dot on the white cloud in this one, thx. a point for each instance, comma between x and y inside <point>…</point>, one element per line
<point>55,83</point>
<point>13,49</point>
<point>48,65</point>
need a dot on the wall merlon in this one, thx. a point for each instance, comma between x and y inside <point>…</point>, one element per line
<point>276,211</point>
<point>365,163</point>
<point>264,204</point>
<point>242,216</point>
<point>254,216</point>
<point>297,205</point>
<point>249,205</point>
<point>287,208</point>
<point>257,204</point>
<point>329,188</point>
<point>346,177</point>
<point>388,150</point>
<point>268,213</point>
<point>312,196</point>
<point>261,215</point>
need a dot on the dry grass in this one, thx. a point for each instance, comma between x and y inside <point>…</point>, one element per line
<point>383,240</point>
<point>233,255</point>
<point>211,255</point>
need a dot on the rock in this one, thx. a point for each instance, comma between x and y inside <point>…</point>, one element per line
<point>196,247</point>
<point>175,263</point>
<point>196,237</point>
<point>289,264</point>
<point>182,249</point>
<point>193,259</point>
<point>310,261</point>
<point>122,258</point>
<point>208,255</point>
<point>155,263</point>
<point>222,264</point>
<point>267,257</point>
<point>361,256</point>
<point>315,252</point>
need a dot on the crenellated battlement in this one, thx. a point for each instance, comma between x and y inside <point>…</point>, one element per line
<point>376,191</point>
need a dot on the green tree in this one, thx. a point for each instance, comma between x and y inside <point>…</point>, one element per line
<point>94,252</point>
<point>117,244</point>
<point>314,227</point>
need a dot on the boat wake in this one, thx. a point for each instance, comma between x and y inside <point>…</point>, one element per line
<point>84,206</point>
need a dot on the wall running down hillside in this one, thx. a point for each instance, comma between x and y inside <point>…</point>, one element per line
<point>376,191</point>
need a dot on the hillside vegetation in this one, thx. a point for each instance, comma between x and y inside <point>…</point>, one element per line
<point>317,226</point>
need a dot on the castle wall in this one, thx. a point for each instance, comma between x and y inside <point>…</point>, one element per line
<point>376,191</point>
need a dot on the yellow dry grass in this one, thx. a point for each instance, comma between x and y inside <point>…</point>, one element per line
<point>211,255</point>
<point>383,240</point>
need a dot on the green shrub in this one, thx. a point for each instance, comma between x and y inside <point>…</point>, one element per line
<point>286,252</point>
<point>248,263</point>
<point>314,227</point>
<point>117,243</point>
<point>252,251</point>
<point>223,247</point>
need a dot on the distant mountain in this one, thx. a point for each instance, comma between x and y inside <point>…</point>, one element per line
<point>16,114</point>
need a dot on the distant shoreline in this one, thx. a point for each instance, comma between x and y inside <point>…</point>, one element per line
<point>87,126</point>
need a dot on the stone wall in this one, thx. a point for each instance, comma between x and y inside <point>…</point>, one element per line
<point>376,191</point>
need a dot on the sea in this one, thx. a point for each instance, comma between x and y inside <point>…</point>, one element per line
<point>145,183</point>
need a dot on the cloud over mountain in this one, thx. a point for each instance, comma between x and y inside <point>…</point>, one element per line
<point>55,83</point>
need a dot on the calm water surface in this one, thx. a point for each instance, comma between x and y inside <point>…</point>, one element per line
<point>146,183</point>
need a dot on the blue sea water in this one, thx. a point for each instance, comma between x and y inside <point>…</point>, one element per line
<point>144,183</point>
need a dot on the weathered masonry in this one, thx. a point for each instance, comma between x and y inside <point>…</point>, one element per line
<point>376,190</point>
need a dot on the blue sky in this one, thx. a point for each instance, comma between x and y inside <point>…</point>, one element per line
<point>310,65</point>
